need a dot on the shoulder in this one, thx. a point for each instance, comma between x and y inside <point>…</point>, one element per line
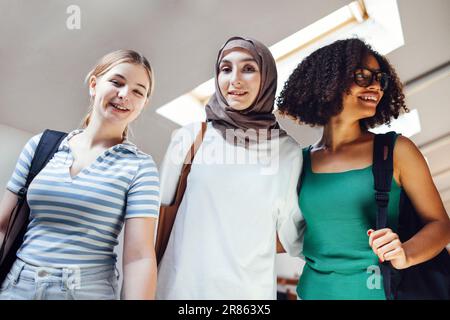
<point>183,138</point>
<point>288,140</point>
<point>290,156</point>
<point>33,142</point>
<point>145,161</point>
<point>404,142</point>
<point>189,130</point>
<point>405,148</point>
<point>129,152</point>
<point>407,155</point>
<point>146,169</point>
<point>289,146</point>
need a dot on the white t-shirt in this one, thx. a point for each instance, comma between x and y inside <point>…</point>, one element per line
<point>223,242</point>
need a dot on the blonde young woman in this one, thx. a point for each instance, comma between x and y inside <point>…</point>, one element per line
<point>241,190</point>
<point>96,182</point>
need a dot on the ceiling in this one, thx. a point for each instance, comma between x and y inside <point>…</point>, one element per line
<point>43,63</point>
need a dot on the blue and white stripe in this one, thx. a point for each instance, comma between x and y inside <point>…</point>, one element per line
<point>76,220</point>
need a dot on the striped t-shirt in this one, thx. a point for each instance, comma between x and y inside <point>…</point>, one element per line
<point>76,220</point>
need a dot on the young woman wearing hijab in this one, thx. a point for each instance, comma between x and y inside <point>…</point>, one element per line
<point>241,190</point>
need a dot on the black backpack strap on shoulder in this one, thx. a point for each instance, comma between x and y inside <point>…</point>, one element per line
<point>383,169</point>
<point>47,147</point>
<point>18,219</point>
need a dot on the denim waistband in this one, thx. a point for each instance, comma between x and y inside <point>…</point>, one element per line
<point>68,276</point>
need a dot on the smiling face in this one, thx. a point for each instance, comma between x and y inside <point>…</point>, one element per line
<point>121,93</point>
<point>239,78</point>
<point>362,101</point>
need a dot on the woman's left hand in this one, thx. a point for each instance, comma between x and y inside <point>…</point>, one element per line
<point>388,247</point>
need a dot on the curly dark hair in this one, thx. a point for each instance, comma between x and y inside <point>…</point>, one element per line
<point>314,91</point>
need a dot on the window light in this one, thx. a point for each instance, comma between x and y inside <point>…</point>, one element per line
<point>408,124</point>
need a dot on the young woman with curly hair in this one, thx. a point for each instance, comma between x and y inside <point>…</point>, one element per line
<point>347,88</point>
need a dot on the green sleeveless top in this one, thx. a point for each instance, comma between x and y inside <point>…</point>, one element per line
<point>338,209</point>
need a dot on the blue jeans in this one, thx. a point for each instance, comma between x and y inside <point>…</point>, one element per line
<point>27,282</point>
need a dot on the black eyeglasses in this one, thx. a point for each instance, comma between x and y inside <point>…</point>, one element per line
<point>364,77</point>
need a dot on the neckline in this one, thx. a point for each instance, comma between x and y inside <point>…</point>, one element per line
<point>339,172</point>
<point>307,157</point>
<point>308,153</point>
<point>343,172</point>
<point>125,144</point>
<point>88,167</point>
<point>97,160</point>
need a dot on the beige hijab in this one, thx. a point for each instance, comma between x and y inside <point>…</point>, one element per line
<point>259,115</point>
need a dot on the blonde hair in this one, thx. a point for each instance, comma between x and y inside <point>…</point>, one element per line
<point>109,61</point>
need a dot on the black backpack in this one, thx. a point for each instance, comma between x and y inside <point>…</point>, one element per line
<point>427,280</point>
<point>19,218</point>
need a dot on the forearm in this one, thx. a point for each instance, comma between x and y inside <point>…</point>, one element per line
<point>139,280</point>
<point>428,242</point>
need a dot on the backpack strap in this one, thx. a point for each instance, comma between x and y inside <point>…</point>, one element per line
<point>17,223</point>
<point>168,214</point>
<point>46,148</point>
<point>186,169</point>
<point>383,169</point>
